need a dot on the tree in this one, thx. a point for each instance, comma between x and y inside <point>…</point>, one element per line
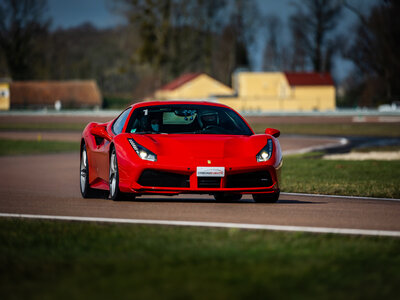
<point>311,26</point>
<point>178,36</point>
<point>208,20</point>
<point>272,60</point>
<point>376,55</point>
<point>163,33</point>
<point>300,49</point>
<point>23,30</point>
<point>87,52</point>
<point>245,21</point>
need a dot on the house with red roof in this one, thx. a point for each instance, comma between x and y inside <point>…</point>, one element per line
<point>257,91</point>
<point>193,86</point>
<point>282,91</point>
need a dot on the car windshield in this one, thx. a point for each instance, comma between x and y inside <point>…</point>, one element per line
<point>187,119</point>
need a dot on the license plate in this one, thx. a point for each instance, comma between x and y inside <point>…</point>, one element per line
<point>210,171</point>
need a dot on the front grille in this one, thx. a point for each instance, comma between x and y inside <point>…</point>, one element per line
<point>163,179</point>
<point>254,179</point>
<point>208,182</point>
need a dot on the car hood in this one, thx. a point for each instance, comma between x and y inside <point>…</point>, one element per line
<point>202,145</point>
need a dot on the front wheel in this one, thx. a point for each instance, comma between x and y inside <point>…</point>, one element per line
<point>266,198</point>
<point>86,190</point>
<point>115,193</point>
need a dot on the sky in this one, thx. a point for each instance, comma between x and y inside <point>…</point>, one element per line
<point>72,13</point>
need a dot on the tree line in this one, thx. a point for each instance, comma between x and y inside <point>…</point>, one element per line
<point>164,39</point>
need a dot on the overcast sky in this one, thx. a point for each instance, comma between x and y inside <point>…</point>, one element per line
<point>75,12</point>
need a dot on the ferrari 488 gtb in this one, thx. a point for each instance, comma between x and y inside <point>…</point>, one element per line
<point>174,147</point>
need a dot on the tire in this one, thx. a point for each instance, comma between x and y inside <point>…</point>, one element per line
<point>266,198</point>
<point>113,182</point>
<point>222,197</point>
<point>86,190</point>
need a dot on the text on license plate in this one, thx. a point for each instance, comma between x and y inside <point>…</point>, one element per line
<point>210,171</point>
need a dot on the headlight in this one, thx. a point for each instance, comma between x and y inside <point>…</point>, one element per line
<point>265,152</point>
<point>142,152</point>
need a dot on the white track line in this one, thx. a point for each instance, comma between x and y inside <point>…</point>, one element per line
<point>341,197</point>
<point>213,224</point>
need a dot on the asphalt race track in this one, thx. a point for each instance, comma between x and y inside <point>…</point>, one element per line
<point>49,185</point>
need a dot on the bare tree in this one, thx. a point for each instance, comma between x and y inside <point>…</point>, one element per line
<point>23,27</point>
<point>175,36</point>
<point>300,48</point>
<point>178,36</point>
<point>312,25</point>
<point>272,60</point>
<point>375,51</point>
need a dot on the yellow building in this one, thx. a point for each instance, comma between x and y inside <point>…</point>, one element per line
<point>192,86</point>
<point>282,91</point>
<point>258,92</point>
<point>4,96</point>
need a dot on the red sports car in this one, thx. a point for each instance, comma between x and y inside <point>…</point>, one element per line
<point>174,147</point>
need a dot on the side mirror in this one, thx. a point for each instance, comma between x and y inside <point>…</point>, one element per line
<point>100,131</point>
<point>272,131</point>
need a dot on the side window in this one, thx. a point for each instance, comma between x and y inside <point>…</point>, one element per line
<point>120,122</point>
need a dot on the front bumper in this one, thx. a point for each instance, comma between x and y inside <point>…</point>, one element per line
<point>181,177</point>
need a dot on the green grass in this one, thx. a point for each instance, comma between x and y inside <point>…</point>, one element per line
<point>17,147</point>
<point>355,129</point>
<point>72,260</point>
<point>42,126</point>
<point>310,174</point>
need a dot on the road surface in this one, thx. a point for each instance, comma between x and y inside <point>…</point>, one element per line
<point>49,185</point>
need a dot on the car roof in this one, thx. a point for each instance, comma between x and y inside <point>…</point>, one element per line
<point>174,102</point>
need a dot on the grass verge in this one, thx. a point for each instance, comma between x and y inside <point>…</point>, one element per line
<point>17,147</point>
<point>310,174</point>
<point>70,260</point>
<point>42,126</point>
<point>356,129</point>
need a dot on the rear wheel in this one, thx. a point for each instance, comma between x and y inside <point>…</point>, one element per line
<point>115,193</point>
<point>86,190</point>
<point>222,197</point>
<point>266,198</point>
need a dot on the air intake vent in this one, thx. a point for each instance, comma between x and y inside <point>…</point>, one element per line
<point>209,182</point>
<point>163,179</point>
<point>254,179</point>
